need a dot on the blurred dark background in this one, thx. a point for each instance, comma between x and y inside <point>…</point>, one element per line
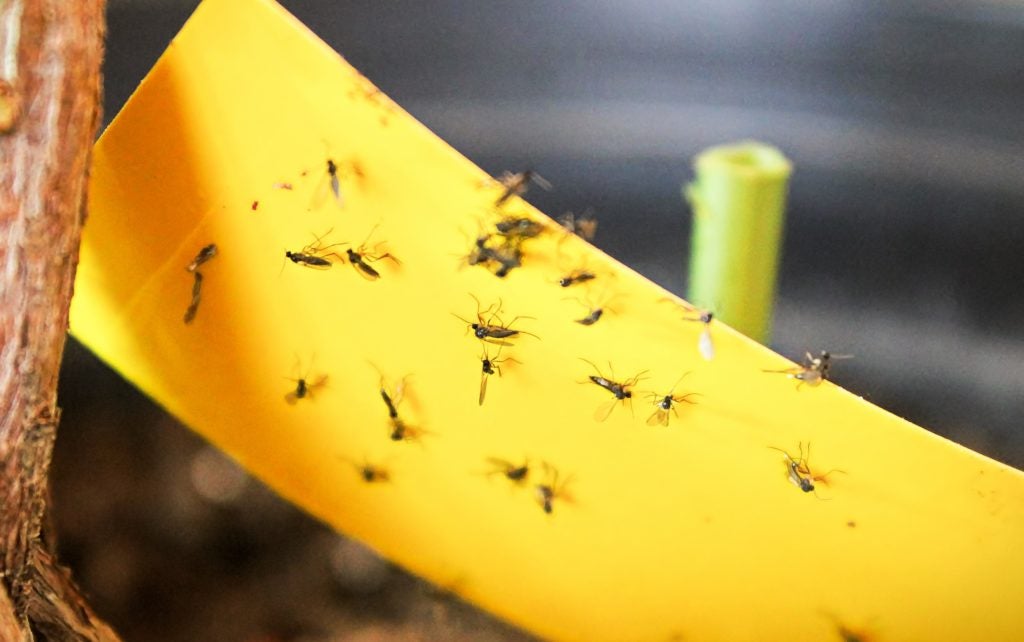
<point>903,246</point>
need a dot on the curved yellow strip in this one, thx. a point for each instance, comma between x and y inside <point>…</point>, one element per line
<point>686,531</point>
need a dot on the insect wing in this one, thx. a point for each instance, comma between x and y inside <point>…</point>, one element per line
<point>705,345</point>
<point>605,410</point>
<point>483,387</point>
<point>659,416</point>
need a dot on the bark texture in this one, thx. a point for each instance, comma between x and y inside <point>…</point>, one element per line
<point>50,55</point>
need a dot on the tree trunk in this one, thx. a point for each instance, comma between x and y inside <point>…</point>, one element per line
<point>50,54</point>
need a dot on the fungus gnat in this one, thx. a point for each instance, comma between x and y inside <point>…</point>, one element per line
<point>519,228</point>
<point>665,404</point>
<point>705,345</point>
<point>490,328</point>
<point>813,370</point>
<point>361,257</point>
<point>595,310</point>
<point>551,489</point>
<point>368,472</point>
<point>619,390</point>
<point>315,255</point>
<point>576,277</point>
<point>392,398</point>
<point>583,226</point>
<point>799,473</point>
<point>515,473</point>
<point>204,255</point>
<point>304,385</point>
<point>517,184</point>
<point>488,367</point>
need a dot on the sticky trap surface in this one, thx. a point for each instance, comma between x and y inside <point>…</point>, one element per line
<point>691,530</point>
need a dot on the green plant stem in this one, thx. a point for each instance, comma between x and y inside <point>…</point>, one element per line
<point>738,199</point>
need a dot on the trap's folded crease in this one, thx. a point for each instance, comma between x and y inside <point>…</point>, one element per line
<point>616,530</point>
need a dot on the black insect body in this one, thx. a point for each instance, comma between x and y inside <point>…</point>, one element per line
<point>496,253</point>
<point>551,489</point>
<point>193,307</point>
<point>315,255</point>
<point>592,318</point>
<point>488,367</point>
<point>392,398</point>
<point>204,255</point>
<point>368,472</point>
<point>361,257</point>
<point>576,277</point>
<point>516,473</point>
<point>666,404</point>
<point>371,474</point>
<point>621,391</point>
<point>519,228</point>
<point>491,329</point>
<point>799,473</point>
<point>307,259</point>
<point>304,387</point>
<point>392,408</point>
<point>814,370</point>
<point>332,173</point>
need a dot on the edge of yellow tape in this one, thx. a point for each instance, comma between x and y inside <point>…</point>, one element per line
<point>686,531</point>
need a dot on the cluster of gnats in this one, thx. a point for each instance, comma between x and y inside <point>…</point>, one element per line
<point>501,249</point>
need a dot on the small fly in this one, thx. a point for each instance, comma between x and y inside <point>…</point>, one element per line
<point>392,398</point>
<point>517,184</point>
<point>594,310</point>
<point>368,472</point>
<point>361,257</point>
<point>330,181</point>
<point>488,367</point>
<point>304,386</point>
<point>491,329</point>
<point>798,470</point>
<point>665,404</point>
<point>315,255</point>
<point>551,489</point>
<point>204,255</point>
<point>576,277</point>
<point>494,252</point>
<point>813,370</point>
<point>619,390</point>
<point>583,226</point>
<point>516,473</point>
<point>705,345</point>
<point>519,228</point>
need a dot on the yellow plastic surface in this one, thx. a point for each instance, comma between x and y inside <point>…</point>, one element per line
<point>689,532</point>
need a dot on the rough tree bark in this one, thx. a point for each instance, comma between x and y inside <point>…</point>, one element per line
<point>50,54</point>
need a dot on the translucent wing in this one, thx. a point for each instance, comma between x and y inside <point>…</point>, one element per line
<point>605,410</point>
<point>659,416</point>
<point>483,387</point>
<point>705,345</point>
